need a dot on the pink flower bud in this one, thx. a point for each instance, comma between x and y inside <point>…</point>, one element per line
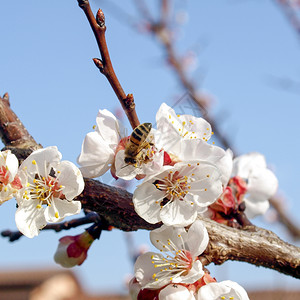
<point>72,250</point>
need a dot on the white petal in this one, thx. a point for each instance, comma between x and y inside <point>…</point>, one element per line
<point>262,183</point>
<point>178,213</point>
<point>144,270</point>
<point>64,208</point>
<point>123,170</point>
<point>144,200</point>
<point>199,150</point>
<point>255,208</point>
<point>244,164</point>
<point>215,290</point>
<point>96,155</point>
<point>109,127</point>
<point>195,273</point>
<point>43,158</point>
<point>71,178</point>
<point>186,126</point>
<point>161,236</point>
<point>30,219</point>
<point>12,164</point>
<point>175,292</point>
<point>197,239</point>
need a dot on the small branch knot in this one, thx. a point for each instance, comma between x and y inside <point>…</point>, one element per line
<point>100,18</point>
<point>6,98</point>
<point>82,3</point>
<point>129,102</point>
<point>99,64</point>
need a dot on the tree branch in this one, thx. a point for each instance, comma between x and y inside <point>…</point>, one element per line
<point>105,65</point>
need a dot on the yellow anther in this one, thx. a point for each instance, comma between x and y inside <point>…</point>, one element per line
<point>222,297</point>
<point>183,123</point>
<point>192,203</point>
<point>154,275</point>
<point>28,184</point>
<point>213,143</point>
<point>56,215</point>
<point>179,235</point>
<point>39,206</point>
<point>178,116</point>
<point>231,298</point>
<point>189,165</point>
<point>207,175</point>
<point>34,162</point>
<point>94,126</point>
<point>171,278</point>
<point>169,116</point>
<point>205,190</point>
<point>34,180</point>
<point>172,122</point>
<point>5,189</point>
<point>212,134</point>
<point>179,129</point>
<point>193,174</point>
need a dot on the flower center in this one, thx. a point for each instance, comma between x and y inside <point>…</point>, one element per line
<point>43,189</point>
<point>4,176</point>
<point>174,185</point>
<point>178,263</point>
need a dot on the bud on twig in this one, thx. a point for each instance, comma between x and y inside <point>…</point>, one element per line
<point>100,18</point>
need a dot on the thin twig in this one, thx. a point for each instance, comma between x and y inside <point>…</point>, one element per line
<point>57,227</point>
<point>105,65</point>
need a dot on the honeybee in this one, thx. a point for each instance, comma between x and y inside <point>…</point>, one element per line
<point>140,140</point>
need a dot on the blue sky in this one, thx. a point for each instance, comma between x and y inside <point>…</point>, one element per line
<point>242,46</point>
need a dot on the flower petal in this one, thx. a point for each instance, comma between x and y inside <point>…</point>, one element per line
<point>144,270</point>
<point>40,161</point>
<point>197,239</point>
<point>175,292</point>
<point>109,127</point>
<point>71,178</point>
<point>96,156</point>
<point>30,219</point>
<point>145,199</point>
<point>60,209</point>
<point>178,213</point>
<point>160,237</point>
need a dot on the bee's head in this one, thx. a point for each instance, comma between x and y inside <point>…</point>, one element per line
<point>148,126</point>
<point>130,160</point>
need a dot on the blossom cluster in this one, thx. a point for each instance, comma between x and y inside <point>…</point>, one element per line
<point>44,188</point>
<point>184,176</point>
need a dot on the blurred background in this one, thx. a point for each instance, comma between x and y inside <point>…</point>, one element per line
<point>242,59</point>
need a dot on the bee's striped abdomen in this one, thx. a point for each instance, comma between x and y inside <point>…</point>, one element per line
<point>140,133</point>
<point>137,142</point>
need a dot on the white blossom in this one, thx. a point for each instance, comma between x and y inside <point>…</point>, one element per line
<point>180,264</point>
<point>9,181</point>
<point>176,195</point>
<point>99,147</point>
<point>261,182</point>
<point>49,186</point>
<point>185,138</point>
